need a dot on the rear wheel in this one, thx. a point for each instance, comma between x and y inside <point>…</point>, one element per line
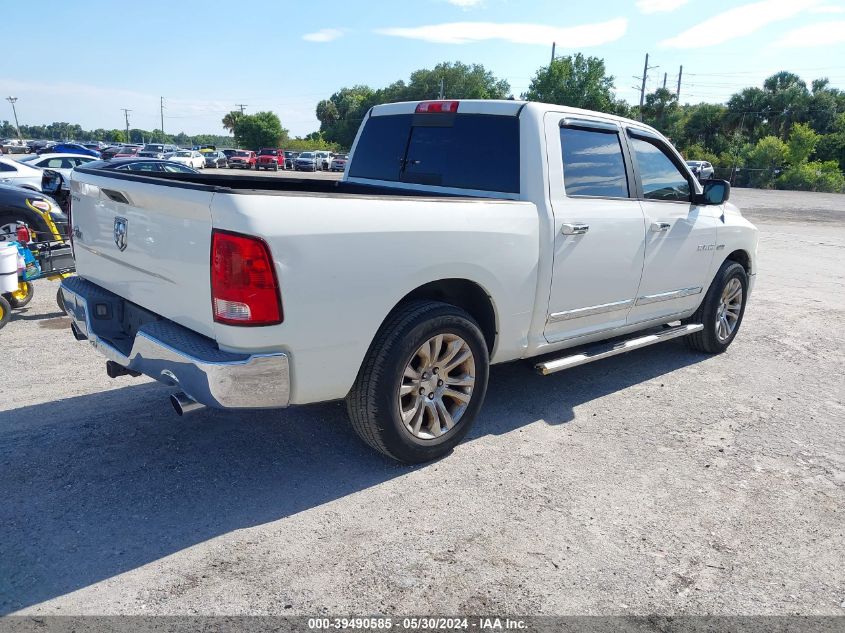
<point>721,311</point>
<point>422,383</point>
<point>22,295</point>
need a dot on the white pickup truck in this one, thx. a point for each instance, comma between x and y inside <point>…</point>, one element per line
<point>580,236</point>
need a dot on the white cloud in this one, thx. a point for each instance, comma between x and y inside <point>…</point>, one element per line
<point>466,4</point>
<point>828,8</point>
<point>738,22</point>
<point>518,33</point>
<point>323,35</point>
<point>822,34</point>
<point>659,6</point>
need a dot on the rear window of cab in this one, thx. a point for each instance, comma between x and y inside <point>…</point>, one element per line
<point>462,151</point>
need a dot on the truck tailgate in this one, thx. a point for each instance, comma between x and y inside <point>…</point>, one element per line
<point>147,241</point>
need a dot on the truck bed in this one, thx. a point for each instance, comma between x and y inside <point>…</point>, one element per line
<point>267,185</point>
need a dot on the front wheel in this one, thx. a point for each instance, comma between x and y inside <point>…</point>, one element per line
<point>422,383</point>
<point>721,311</point>
<point>23,295</point>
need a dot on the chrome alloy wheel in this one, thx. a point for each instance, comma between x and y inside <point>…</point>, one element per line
<point>437,386</point>
<point>730,307</point>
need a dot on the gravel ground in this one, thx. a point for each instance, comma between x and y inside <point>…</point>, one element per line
<point>661,481</point>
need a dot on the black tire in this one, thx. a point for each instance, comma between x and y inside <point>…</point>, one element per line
<point>706,340</point>
<point>60,300</point>
<point>373,403</point>
<point>19,302</point>
<point>5,312</point>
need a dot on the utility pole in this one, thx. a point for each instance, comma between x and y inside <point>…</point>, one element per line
<point>678,92</point>
<point>665,75</point>
<point>553,53</point>
<point>646,68</point>
<point>126,115</point>
<point>241,106</point>
<point>162,117</point>
<point>442,93</point>
<point>15,112</point>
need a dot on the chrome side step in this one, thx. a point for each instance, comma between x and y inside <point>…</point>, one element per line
<point>597,352</point>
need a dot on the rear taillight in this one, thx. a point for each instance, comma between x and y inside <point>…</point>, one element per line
<point>244,289</point>
<point>436,106</point>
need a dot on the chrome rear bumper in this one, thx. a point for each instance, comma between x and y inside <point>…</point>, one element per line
<point>176,355</point>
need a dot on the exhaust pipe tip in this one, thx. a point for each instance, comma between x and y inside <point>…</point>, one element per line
<point>184,404</point>
<point>77,333</point>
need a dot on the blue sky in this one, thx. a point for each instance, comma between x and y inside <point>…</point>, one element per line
<point>205,57</point>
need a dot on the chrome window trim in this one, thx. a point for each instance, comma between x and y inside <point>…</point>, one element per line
<point>578,313</point>
<point>668,296</point>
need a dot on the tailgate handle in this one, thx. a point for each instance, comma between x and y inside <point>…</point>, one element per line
<point>115,196</point>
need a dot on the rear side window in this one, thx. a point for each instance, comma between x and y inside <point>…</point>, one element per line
<point>593,164</point>
<point>463,151</point>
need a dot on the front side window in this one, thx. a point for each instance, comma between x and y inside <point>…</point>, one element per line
<point>661,179</point>
<point>5,167</point>
<point>593,164</point>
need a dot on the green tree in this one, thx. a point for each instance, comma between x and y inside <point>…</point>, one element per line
<point>231,119</point>
<point>768,155</point>
<point>341,114</point>
<point>660,110</point>
<point>802,143</point>
<point>576,81</point>
<point>460,81</point>
<point>262,129</point>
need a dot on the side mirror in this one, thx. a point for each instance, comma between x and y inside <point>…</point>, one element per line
<point>715,192</point>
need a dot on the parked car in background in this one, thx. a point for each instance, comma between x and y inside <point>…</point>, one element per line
<point>324,160</point>
<point>13,172</point>
<point>242,159</point>
<point>149,165</point>
<point>156,150</point>
<point>229,152</point>
<point>24,205</point>
<point>110,152</point>
<point>188,157</point>
<point>62,163</point>
<point>74,148</point>
<point>40,145</point>
<point>128,151</point>
<point>306,161</point>
<point>339,162</point>
<point>270,158</point>
<point>216,159</point>
<point>290,157</point>
<point>14,146</point>
<point>701,169</point>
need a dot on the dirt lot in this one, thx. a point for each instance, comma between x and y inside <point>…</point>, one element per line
<point>662,481</point>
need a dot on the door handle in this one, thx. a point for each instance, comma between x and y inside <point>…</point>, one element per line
<point>574,229</point>
<point>660,227</point>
